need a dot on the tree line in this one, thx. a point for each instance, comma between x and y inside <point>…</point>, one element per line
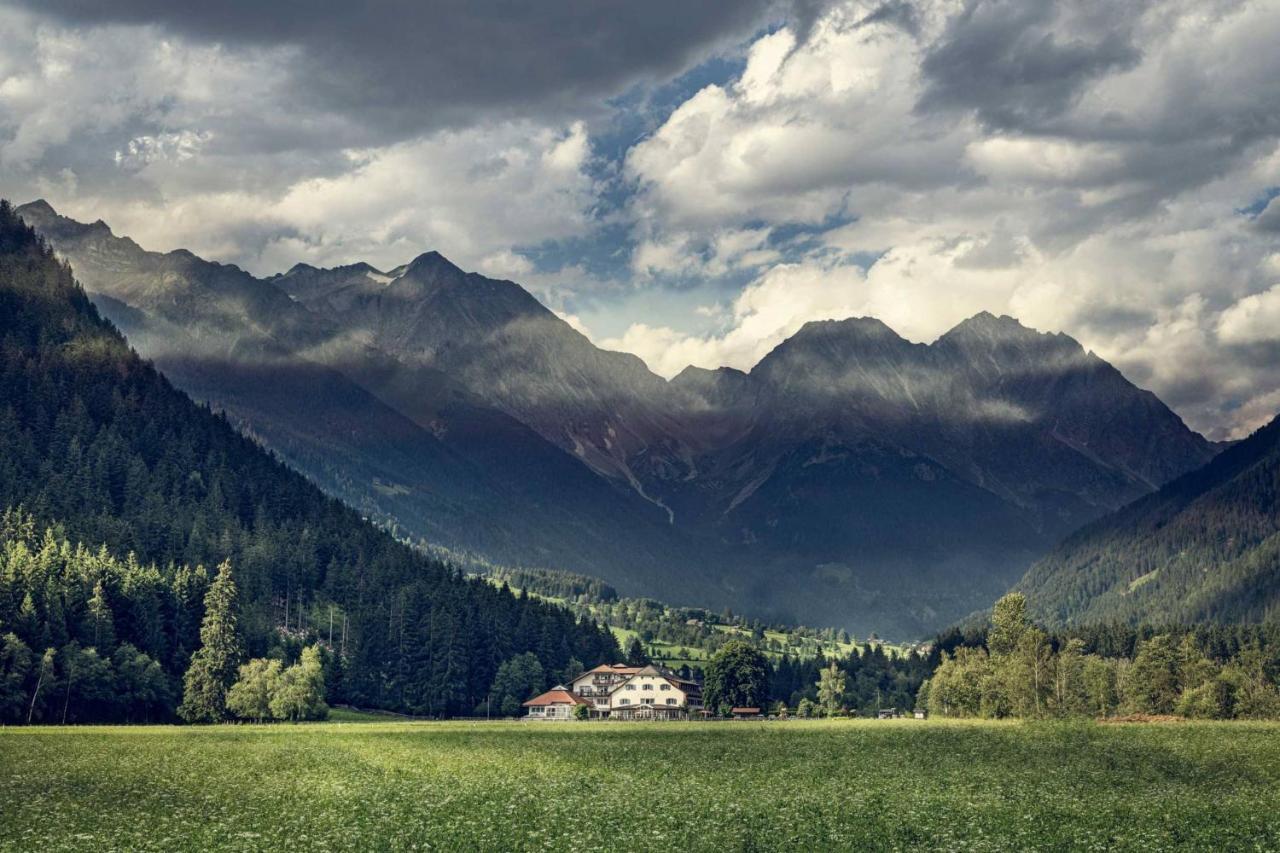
<point>860,683</point>
<point>1019,670</point>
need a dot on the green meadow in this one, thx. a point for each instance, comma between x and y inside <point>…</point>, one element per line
<point>796,785</point>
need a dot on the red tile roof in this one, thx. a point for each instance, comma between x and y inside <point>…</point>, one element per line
<point>744,710</point>
<point>620,668</point>
<point>555,697</point>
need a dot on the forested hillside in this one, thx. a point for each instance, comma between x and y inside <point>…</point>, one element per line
<point>852,478</point>
<point>675,635</point>
<point>1206,547</point>
<point>95,441</point>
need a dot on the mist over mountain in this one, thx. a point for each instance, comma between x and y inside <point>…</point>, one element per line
<point>400,440</point>
<point>852,477</point>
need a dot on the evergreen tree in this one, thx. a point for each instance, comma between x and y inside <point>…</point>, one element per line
<point>214,666</point>
<point>517,680</point>
<point>15,669</point>
<point>636,655</point>
<point>102,633</point>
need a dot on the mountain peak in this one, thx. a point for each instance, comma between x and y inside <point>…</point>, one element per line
<point>39,207</point>
<point>431,263</point>
<point>693,373</point>
<point>987,324</point>
<point>860,327</point>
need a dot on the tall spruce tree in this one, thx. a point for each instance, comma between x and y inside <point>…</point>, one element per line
<point>215,664</point>
<point>636,655</point>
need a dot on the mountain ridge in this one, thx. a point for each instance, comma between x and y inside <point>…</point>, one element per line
<point>851,477</point>
<point>1204,547</point>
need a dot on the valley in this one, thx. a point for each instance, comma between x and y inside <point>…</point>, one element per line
<point>851,478</point>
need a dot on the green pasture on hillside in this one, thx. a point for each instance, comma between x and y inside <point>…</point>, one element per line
<point>794,785</point>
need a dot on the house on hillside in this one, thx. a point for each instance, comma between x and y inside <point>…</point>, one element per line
<point>622,692</point>
<point>556,704</point>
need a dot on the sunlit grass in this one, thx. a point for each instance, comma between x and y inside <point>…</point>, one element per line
<point>720,786</point>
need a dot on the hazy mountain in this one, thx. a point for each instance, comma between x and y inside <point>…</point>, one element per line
<point>862,460</point>
<point>96,441</point>
<point>495,339</point>
<point>399,439</point>
<point>1205,547</point>
<point>851,477</point>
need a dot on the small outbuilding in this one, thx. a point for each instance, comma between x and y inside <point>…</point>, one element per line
<point>556,704</point>
<point>745,713</point>
<point>921,714</point>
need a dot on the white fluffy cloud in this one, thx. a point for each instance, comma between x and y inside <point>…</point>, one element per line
<point>200,146</point>
<point>1254,319</point>
<point>769,310</point>
<point>1085,174</point>
<point>472,194</point>
<point>1105,170</point>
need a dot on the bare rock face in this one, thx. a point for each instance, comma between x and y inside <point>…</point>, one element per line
<point>850,478</point>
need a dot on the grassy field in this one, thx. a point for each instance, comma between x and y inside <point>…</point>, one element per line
<point>832,785</point>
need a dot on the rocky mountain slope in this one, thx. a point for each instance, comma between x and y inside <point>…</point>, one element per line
<point>850,478</point>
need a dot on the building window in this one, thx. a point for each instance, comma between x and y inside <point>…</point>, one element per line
<point>671,701</point>
<point>631,687</point>
<point>665,687</point>
<point>648,687</point>
<point>624,701</point>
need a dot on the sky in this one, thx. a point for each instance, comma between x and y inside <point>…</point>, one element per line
<point>692,182</point>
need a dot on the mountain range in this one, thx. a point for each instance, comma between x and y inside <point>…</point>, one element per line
<point>851,477</point>
<point>143,493</point>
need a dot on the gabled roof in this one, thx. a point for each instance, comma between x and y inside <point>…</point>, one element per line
<point>614,668</point>
<point>556,696</point>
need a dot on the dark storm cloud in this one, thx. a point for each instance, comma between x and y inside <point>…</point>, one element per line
<point>895,13</point>
<point>405,66</point>
<point>1018,63</point>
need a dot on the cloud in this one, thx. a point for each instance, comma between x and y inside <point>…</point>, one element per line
<point>1268,221</point>
<point>472,194</point>
<point>1101,169</point>
<point>1254,319</point>
<point>1020,63</point>
<point>768,311</point>
<point>685,255</point>
<point>1079,165</point>
<point>797,134</point>
<point>402,67</point>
